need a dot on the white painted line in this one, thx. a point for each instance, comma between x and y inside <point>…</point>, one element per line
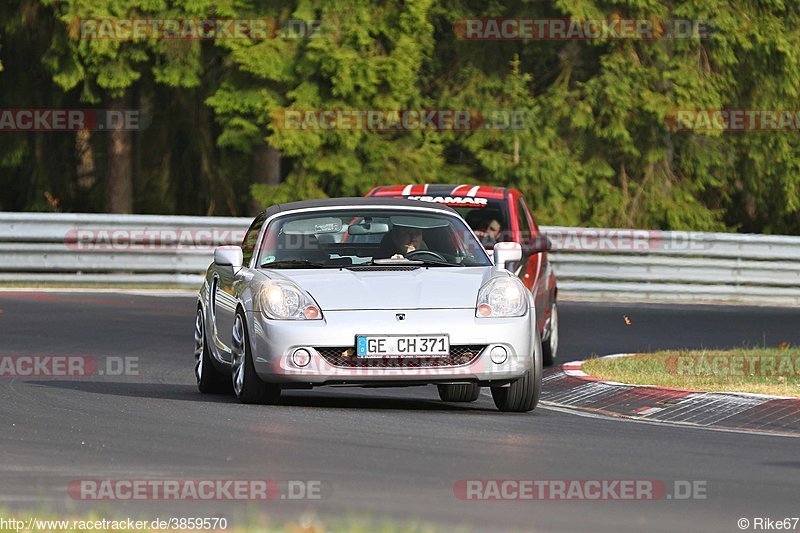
<point>684,425</point>
<point>650,411</point>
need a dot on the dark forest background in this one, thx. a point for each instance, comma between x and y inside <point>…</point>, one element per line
<point>596,148</point>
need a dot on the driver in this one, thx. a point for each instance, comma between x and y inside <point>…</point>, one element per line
<point>401,240</point>
<point>490,233</point>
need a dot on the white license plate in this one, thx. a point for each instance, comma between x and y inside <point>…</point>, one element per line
<point>368,346</point>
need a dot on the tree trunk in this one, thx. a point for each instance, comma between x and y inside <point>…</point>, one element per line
<point>39,178</point>
<point>85,155</point>
<point>266,169</point>
<point>119,170</point>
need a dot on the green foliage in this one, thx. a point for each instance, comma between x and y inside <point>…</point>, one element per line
<point>293,189</point>
<point>592,143</point>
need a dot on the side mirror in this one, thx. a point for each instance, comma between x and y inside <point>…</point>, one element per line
<point>506,252</point>
<point>228,256</point>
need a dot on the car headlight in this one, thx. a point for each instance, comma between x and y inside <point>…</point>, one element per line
<point>502,297</point>
<point>283,300</point>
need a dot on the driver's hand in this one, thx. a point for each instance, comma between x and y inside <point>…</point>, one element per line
<point>410,248</point>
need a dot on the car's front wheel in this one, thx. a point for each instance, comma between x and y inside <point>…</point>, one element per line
<point>247,386</point>
<point>522,395</point>
<point>209,379</point>
<point>466,392</point>
<point>550,346</point>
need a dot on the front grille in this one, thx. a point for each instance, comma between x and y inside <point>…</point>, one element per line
<point>344,356</point>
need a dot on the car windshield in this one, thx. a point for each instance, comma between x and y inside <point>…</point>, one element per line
<point>488,218</point>
<point>357,236</point>
<point>489,221</point>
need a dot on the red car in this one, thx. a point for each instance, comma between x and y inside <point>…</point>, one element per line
<point>498,214</point>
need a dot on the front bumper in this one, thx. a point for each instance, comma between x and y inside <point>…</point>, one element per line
<point>274,342</point>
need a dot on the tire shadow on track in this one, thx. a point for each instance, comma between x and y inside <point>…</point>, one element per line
<point>340,401</point>
<point>166,391</point>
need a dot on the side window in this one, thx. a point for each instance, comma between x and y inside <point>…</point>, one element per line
<point>251,239</point>
<point>523,222</point>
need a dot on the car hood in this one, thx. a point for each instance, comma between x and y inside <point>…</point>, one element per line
<point>422,288</point>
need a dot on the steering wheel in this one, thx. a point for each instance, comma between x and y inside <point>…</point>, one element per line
<point>437,255</point>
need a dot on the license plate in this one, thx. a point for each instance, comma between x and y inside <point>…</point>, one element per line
<point>372,346</point>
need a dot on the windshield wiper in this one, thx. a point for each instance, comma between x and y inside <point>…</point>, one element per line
<point>295,263</point>
<point>439,262</point>
<point>389,261</point>
<point>415,261</point>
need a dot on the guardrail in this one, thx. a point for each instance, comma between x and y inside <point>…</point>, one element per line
<point>148,250</point>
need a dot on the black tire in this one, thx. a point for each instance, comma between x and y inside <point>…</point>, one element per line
<point>523,394</point>
<point>248,387</point>
<point>209,379</point>
<point>550,346</point>
<point>466,392</point>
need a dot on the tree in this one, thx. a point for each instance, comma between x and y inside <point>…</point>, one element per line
<point>364,57</point>
<point>107,69</point>
<point>585,128</point>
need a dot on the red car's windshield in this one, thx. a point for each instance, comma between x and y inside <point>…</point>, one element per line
<point>487,217</point>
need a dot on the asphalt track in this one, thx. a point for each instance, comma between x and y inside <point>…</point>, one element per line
<point>390,454</point>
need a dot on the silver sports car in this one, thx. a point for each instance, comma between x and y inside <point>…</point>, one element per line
<point>366,292</point>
